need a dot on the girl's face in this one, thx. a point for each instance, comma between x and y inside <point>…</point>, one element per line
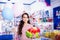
<point>25,18</point>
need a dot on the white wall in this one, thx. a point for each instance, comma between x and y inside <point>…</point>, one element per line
<point>55,3</point>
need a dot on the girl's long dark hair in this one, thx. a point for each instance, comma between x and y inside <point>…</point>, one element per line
<point>22,23</point>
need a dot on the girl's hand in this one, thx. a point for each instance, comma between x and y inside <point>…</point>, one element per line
<point>34,36</point>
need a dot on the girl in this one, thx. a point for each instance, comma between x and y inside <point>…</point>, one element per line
<point>24,26</point>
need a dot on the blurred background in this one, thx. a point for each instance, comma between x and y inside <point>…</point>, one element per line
<point>43,13</point>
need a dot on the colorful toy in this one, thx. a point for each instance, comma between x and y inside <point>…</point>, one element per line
<point>33,32</point>
<point>47,34</point>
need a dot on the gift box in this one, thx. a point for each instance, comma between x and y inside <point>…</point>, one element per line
<point>6,37</point>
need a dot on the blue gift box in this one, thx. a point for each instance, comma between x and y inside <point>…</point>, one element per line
<point>6,37</point>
